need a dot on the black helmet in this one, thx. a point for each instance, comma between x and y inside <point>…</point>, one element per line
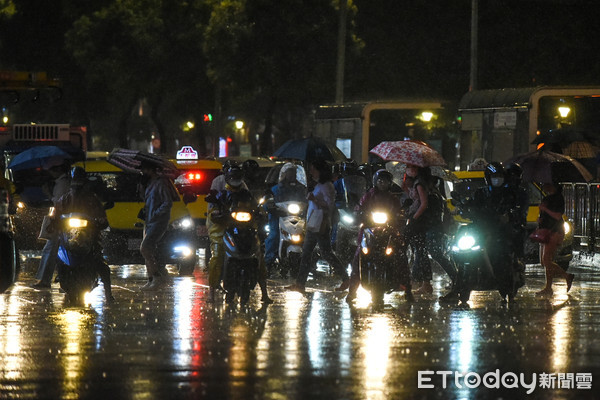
<point>250,168</point>
<point>250,165</point>
<point>78,176</point>
<point>234,176</point>
<point>349,167</point>
<point>494,174</point>
<point>229,164</point>
<point>514,173</point>
<point>384,175</point>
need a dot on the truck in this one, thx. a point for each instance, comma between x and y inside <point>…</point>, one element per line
<point>31,203</point>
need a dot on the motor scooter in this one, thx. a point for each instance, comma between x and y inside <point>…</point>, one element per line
<point>484,256</point>
<point>9,255</point>
<point>353,187</point>
<point>383,260</point>
<point>292,223</point>
<point>78,253</point>
<point>242,250</point>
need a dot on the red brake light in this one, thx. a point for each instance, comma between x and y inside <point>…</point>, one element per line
<point>194,176</point>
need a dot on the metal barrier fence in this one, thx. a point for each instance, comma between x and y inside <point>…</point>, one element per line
<point>582,208</point>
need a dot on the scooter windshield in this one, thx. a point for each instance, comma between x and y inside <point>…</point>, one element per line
<point>355,186</point>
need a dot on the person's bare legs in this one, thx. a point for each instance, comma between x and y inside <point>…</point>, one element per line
<point>553,270</point>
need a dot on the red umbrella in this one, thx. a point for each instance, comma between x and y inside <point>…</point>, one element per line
<point>409,152</point>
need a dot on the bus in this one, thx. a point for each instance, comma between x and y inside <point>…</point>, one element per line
<point>355,128</point>
<point>498,124</point>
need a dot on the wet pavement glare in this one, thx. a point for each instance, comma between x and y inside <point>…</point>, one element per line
<point>174,344</point>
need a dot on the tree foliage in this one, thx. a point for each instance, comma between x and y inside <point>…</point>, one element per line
<point>276,58</point>
<point>7,8</point>
<point>143,49</point>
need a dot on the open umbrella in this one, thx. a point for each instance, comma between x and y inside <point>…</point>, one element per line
<point>131,161</point>
<point>399,169</point>
<point>409,152</point>
<point>39,157</point>
<point>545,166</point>
<point>309,149</point>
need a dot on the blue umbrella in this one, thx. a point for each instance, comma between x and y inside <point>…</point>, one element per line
<point>39,157</point>
<point>309,149</point>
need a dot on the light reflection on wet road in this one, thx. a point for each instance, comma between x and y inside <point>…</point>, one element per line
<point>173,344</point>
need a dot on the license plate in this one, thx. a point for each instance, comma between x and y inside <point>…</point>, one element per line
<point>201,230</point>
<point>133,244</point>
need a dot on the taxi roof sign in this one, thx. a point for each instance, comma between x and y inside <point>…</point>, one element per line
<point>187,153</point>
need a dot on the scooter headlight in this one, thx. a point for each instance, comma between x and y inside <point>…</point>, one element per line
<point>241,216</point>
<point>293,208</point>
<point>183,223</point>
<point>379,217</point>
<point>185,251</point>
<point>348,219</point>
<point>567,226</point>
<point>77,223</point>
<point>466,242</point>
<point>296,238</point>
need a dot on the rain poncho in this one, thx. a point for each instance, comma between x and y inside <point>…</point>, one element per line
<point>159,198</point>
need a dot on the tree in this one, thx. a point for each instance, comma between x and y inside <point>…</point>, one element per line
<point>276,60</point>
<point>132,50</point>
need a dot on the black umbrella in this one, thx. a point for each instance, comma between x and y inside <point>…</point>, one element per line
<point>544,166</point>
<point>131,161</point>
<point>309,149</point>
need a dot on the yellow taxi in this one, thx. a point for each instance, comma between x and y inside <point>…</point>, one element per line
<point>467,182</point>
<point>195,179</point>
<point>121,241</point>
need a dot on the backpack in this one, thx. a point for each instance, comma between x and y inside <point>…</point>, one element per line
<point>438,213</point>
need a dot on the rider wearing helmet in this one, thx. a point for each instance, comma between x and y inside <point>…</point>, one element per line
<point>251,171</point>
<point>287,189</point>
<point>80,199</point>
<point>514,187</point>
<point>379,197</point>
<point>494,175</point>
<point>234,190</point>
<point>518,195</point>
<point>500,208</point>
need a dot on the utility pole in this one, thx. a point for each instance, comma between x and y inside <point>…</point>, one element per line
<point>341,53</point>
<point>474,29</point>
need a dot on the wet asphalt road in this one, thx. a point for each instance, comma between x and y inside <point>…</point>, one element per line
<point>175,345</point>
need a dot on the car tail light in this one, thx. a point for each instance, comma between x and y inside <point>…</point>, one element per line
<point>194,176</point>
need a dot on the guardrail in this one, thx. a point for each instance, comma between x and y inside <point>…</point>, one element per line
<point>582,208</point>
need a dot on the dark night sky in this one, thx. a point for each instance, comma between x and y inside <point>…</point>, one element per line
<point>423,47</point>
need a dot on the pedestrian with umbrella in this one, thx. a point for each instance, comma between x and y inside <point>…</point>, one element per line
<point>159,194</point>
<point>321,205</point>
<point>549,169</point>
<point>418,157</point>
<point>309,149</point>
<point>552,208</point>
<point>417,186</point>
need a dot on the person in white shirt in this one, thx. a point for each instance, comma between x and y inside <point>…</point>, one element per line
<point>321,206</point>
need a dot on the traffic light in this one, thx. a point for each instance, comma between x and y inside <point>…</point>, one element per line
<point>207,117</point>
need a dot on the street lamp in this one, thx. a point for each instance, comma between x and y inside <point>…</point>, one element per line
<point>426,116</point>
<point>239,124</point>
<point>564,111</point>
